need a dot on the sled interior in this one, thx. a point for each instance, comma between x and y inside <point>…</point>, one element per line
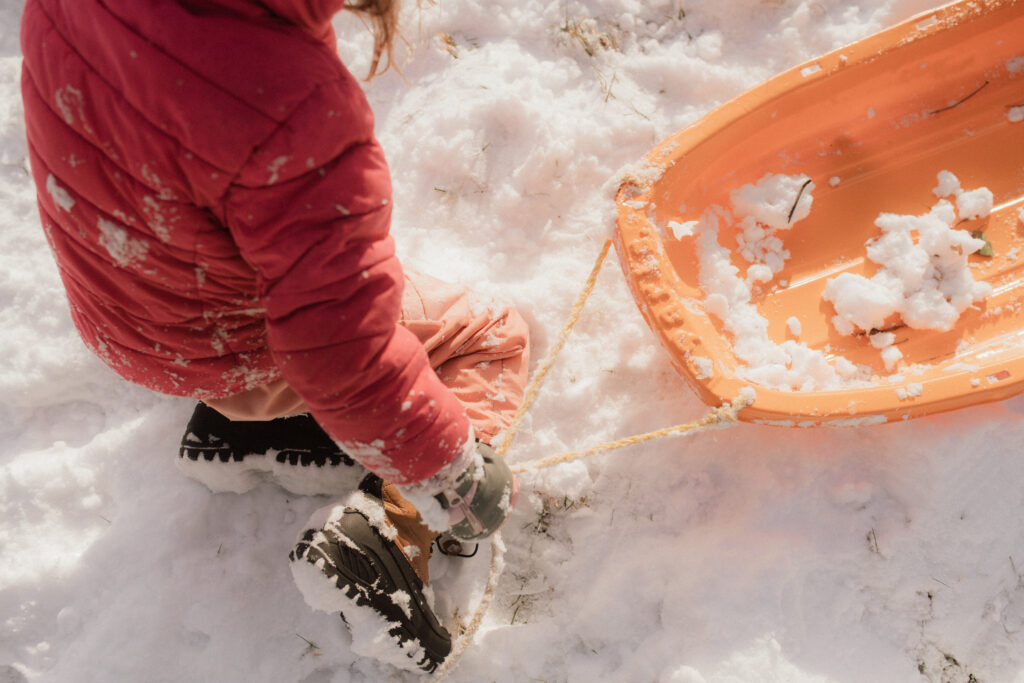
<point>872,124</point>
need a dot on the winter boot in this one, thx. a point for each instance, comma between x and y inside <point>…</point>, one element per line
<point>367,559</point>
<point>229,455</point>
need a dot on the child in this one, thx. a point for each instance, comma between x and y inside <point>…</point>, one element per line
<point>219,210</point>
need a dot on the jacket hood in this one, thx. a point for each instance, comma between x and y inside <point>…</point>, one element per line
<point>313,15</point>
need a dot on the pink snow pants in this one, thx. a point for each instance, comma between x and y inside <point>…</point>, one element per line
<point>478,347</point>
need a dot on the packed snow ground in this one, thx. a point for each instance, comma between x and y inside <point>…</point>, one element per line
<point>886,553</point>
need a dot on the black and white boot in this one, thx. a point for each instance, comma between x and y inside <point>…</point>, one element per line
<point>231,455</point>
<point>347,562</point>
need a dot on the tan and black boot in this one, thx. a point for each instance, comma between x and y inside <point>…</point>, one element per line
<point>366,558</point>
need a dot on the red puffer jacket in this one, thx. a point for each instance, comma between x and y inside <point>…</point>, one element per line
<point>219,208</point>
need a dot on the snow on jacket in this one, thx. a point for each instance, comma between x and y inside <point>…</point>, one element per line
<point>219,209</point>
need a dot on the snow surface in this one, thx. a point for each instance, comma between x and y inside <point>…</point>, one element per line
<point>925,277</point>
<point>755,553</point>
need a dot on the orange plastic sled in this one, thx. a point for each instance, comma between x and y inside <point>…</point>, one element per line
<point>871,124</point>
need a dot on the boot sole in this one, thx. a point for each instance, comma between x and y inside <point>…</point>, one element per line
<point>366,578</point>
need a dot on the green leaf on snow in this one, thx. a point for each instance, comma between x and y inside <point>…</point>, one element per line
<point>985,250</point>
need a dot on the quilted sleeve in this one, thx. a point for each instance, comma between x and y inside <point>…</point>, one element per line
<point>310,213</point>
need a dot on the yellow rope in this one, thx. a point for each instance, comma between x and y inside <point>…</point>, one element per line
<point>718,416</point>
<point>545,365</point>
<point>721,416</point>
<point>497,546</point>
<point>460,645</point>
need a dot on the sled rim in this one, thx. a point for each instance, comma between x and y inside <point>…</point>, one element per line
<point>670,301</point>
